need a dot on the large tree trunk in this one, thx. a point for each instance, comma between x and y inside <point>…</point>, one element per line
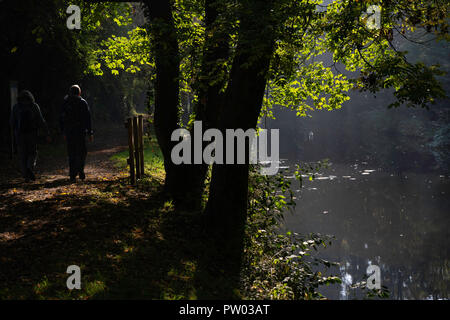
<point>238,108</point>
<point>182,182</point>
<point>211,99</point>
<point>226,211</point>
<point>167,60</point>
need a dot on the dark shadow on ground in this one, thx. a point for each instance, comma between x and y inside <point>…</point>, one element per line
<point>138,247</point>
<point>36,185</point>
<point>129,242</point>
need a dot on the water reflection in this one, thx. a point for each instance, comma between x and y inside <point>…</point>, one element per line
<point>398,222</point>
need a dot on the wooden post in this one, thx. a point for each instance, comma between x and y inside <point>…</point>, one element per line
<point>131,151</point>
<point>136,147</point>
<point>141,144</point>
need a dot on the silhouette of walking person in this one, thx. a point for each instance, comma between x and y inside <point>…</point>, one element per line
<point>75,123</point>
<point>26,119</point>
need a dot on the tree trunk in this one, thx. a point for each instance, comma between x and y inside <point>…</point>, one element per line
<point>186,183</point>
<point>182,182</point>
<point>167,60</point>
<point>210,103</point>
<point>226,211</point>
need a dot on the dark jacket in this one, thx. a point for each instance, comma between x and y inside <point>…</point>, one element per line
<point>75,116</point>
<point>26,116</point>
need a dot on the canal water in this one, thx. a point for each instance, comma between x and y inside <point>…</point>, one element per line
<point>397,221</point>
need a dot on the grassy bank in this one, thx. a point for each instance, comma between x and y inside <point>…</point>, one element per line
<point>153,164</point>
